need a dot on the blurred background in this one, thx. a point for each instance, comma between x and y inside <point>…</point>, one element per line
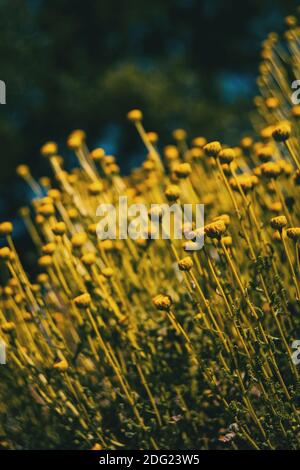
<point>83,64</point>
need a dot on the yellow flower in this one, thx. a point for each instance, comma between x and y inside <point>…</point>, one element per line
<point>6,228</point>
<point>212,149</point>
<point>49,149</point>
<point>83,301</point>
<point>185,264</point>
<point>162,302</point>
<point>278,223</point>
<point>135,115</point>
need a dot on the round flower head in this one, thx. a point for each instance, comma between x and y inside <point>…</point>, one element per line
<point>286,167</point>
<point>97,154</point>
<point>43,278</point>
<point>54,194</point>
<point>293,233</point>
<point>227,241</point>
<point>196,153</point>
<point>48,149</point>
<point>215,229</point>
<point>6,228</point>
<point>185,264</point>
<point>8,327</point>
<point>79,239</point>
<point>226,155</point>
<point>270,170</point>
<point>183,170</point>
<point>8,291</point>
<point>135,115</point>
<point>172,192</point>
<point>245,181</point>
<point>83,301</point>
<point>224,218</point>
<point>23,171</point>
<point>162,302</point>
<point>107,272</point>
<point>47,210</point>
<point>61,365</point>
<point>73,213</point>
<point>49,249</point>
<point>89,259</point>
<point>179,134</point>
<point>199,141</point>
<point>45,182</point>
<point>95,188</point>
<point>75,139</point>
<point>92,229</point>
<point>59,228</point>
<point>5,253</point>
<point>272,102</point>
<point>40,219</point>
<point>171,152</point>
<point>113,169</point>
<point>265,152</point>
<point>290,21</point>
<point>106,245</point>
<point>153,137</point>
<point>246,142</point>
<point>296,111</point>
<point>281,133</point>
<point>45,261</point>
<point>275,207</point>
<point>226,169</point>
<point>212,149</point>
<point>278,223</point>
<point>266,132</point>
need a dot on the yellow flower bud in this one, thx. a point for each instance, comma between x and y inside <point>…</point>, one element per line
<point>45,261</point>
<point>183,170</point>
<point>6,228</point>
<point>23,171</point>
<point>59,228</point>
<point>5,253</point>
<point>8,327</point>
<point>179,134</point>
<point>226,155</point>
<point>278,223</point>
<point>293,233</point>
<point>89,259</point>
<point>83,301</point>
<point>215,229</point>
<point>61,365</point>
<point>79,239</point>
<point>185,264</point>
<point>172,192</point>
<point>49,249</point>
<point>162,302</point>
<point>97,154</point>
<point>212,149</point>
<point>135,115</point>
<point>107,272</point>
<point>48,149</point>
<point>281,133</point>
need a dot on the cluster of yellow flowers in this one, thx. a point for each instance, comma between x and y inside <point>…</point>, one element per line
<point>111,346</point>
